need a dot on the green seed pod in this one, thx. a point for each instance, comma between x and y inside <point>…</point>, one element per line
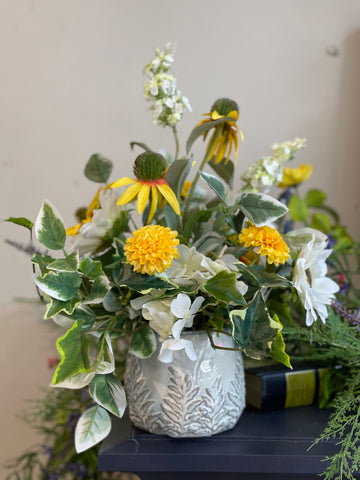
<point>150,166</point>
<point>223,106</point>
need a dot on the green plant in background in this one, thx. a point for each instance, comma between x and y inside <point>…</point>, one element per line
<point>238,261</point>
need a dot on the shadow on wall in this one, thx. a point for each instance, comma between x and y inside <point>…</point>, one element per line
<point>346,174</point>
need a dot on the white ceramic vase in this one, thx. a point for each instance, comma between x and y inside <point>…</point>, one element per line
<point>187,398</point>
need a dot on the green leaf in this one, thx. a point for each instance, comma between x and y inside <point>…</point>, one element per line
<point>171,219</point>
<point>322,222</point>
<point>141,145</point>
<point>254,329</point>
<point>215,185</point>
<point>22,221</point>
<point>209,242</point>
<point>143,342</point>
<point>260,208</point>
<point>225,170</point>
<point>82,313</point>
<point>49,227</point>
<point>177,173</point>
<point>199,216</point>
<point>72,347</point>
<point>67,264</point>
<point>112,302</point>
<point>223,288</point>
<point>298,209</point>
<point>266,279</point>
<point>99,290</point>
<point>57,306</point>
<point>60,285</point>
<point>108,392</point>
<point>315,198</point>
<point>98,168</point>
<point>91,268</point>
<point>278,350</point>
<point>93,426</point>
<point>42,261</point>
<point>142,283</point>
<point>201,129</point>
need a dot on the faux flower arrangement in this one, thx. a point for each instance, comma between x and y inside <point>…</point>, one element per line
<point>197,255</point>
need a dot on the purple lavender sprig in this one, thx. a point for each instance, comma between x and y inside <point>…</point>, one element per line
<point>352,316</point>
<point>28,249</point>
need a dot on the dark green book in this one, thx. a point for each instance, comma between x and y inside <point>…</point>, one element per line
<point>273,387</point>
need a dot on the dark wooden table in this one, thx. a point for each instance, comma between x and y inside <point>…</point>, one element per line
<point>266,445</point>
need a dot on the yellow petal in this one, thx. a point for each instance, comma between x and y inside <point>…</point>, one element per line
<point>143,197</point>
<point>154,203</point>
<point>121,182</point>
<point>216,116</point>
<point>233,114</point>
<point>221,150</point>
<point>129,193</point>
<point>170,197</point>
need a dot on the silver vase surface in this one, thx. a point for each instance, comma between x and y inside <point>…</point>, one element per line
<point>187,398</point>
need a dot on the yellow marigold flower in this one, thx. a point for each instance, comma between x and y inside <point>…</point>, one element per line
<point>294,176</point>
<point>95,203</point>
<point>268,242</point>
<point>151,248</point>
<point>149,169</point>
<point>225,135</point>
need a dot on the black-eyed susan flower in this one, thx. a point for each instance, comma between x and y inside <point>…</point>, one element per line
<point>267,241</point>
<point>85,216</point>
<point>294,176</point>
<point>149,170</point>
<point>225,135</point>
<point>151,248</point>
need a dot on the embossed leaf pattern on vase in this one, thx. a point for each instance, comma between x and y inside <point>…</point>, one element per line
<point>187,398</point>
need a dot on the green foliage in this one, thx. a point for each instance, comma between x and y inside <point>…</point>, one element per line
<point>261,208</point>
<point>72,347</point>
<point>22,221</point>
<point>49,227</point>
<point>54,417</point>
<point>98,168</point>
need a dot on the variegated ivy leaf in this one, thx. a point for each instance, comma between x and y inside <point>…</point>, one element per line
<point>93,426</point>
<point>98,291</point>
<point>143,342</point>
<point>278,350</point>
<point>108,392</point>
<point>223,287</point>
<point>73,348</point>
<point>260,208</point>
<point>91,268</point>
<point>254,329</point>
<point>214,184</point>
<point>67,264</point>
<point>60,285</point>
<point>57,306</point>
<point>42,261</point>
<point>49,227</point>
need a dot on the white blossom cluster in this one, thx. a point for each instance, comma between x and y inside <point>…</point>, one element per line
<point>167,103</point>
<point>268,171</point>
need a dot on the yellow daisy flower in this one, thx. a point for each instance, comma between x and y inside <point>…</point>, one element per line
<point>268,242</point>
<point>225,135</point>
<point>151,248</point>
<point>87,216</point>
<point>294,176</point>
<point>149,169</point>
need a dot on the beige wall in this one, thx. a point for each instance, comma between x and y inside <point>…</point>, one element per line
<point>71,85</point>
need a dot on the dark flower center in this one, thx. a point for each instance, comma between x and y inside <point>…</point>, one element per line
<point>223,106</point>
<point>149,166</point>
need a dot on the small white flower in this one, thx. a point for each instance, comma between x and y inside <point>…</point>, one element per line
<point>158,312</point>
<point>181,308</point>
<point>315,290</point>
<point>166,354</point>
